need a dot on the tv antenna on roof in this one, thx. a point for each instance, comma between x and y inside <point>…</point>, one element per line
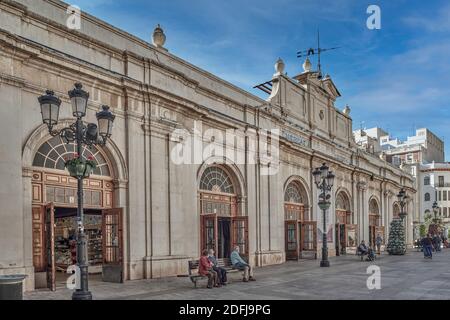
<point>315,51</point>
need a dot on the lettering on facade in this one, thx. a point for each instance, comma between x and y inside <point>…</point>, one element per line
<point>295,139</point>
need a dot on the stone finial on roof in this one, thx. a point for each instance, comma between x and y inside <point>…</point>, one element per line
<point>279,67</point>
<point>307,65</point>
<point>347,110</point>
<point>159,38</point>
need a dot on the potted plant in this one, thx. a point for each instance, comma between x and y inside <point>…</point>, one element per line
<point>80,168</point>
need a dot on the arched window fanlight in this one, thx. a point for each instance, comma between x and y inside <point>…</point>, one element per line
<point>373,207</point>
<point>342,202</point>
<point>293,194</point>
<point>215,179</point>
<point>52,155</point>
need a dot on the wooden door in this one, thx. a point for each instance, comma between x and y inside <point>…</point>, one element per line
<point>372,236</point>
<point>291,240</point>
<point>336,236</point>
<point>309,237</point>
<point>49,218</point>
<point>239,234</point>
<point>112,245</point>
<point>39,249</point>
<point>209,234</point>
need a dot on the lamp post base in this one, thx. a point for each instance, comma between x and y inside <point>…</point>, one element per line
<point>81,295</point>
<point>325,263</point>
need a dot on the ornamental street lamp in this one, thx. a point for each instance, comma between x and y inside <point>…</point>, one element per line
<point>82,134</point>
<point>402,198</point>
<point>323,178</point>
<point>435,211</point>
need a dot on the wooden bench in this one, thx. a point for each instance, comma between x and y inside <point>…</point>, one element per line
<point>193,269</point>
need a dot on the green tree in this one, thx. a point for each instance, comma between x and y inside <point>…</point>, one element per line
<point>423,230</point>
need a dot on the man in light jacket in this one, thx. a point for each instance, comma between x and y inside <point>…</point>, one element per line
<point>239,264</point>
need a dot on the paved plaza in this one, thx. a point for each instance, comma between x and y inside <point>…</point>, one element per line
<point>402,277</point>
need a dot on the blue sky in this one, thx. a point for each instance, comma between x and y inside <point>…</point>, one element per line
<point>397,78</point>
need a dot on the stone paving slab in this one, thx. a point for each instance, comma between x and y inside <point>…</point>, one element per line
<point>402,277</point>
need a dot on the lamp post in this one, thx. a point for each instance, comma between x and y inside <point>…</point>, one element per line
<point>323,178</point>
<point>82,134</point>
<point>402,197</point>
<point>435,212</point>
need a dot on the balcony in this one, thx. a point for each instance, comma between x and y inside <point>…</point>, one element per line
<point>443,185</point>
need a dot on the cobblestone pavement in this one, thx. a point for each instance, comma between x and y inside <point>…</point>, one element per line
<point>402,277</point>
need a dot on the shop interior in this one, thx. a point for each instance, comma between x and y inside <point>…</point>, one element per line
<point>65,241</point>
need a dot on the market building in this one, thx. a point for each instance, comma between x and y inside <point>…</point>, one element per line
<point>147,213</point>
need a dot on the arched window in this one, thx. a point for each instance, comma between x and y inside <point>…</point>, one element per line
<point>426,181</point>
<point>373,207</point>
<point>427,197</point>
<point>396,211</point>
<point>292,194</point>
<point>296,202</point>
<point>343,214</point>
<point>374,213</point>
<point>215,179</point>
<point>342,202</point>
<point>52,155</point>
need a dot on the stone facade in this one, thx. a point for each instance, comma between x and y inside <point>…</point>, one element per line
<point>153,93</point>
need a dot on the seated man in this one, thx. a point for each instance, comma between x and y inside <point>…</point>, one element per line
<point>239,264</point>
<point>362,248</point>
<point>221,272</point>
<point>205,269</point>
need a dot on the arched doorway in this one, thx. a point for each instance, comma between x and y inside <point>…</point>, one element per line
<point>300,231</point>
<point>54,216</point>
<point>375,223</point>
<point>345,231</point>
<point>222,224</point>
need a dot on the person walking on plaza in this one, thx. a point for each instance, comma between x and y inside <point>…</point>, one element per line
<point>239,264</point>
<point>436,243</point>
<point>205,269</point>
<point>427,245</point>
<point>378,242</point>
<point>221,272</point>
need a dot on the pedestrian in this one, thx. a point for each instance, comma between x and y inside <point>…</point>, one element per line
<point>378,242</point>
<point>438,242</point>
<point>427,245</point>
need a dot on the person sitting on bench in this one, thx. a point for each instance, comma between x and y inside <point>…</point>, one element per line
<point>221,272</point>
<point>362,248</point>
<point>239,264</point>
<point>205,269</point>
